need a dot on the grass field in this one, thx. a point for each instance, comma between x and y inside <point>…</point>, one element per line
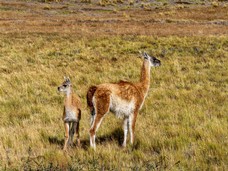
<point>183,123</point>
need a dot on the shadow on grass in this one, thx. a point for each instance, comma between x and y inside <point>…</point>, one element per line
<point>116,135</point>
<point>55,140</point>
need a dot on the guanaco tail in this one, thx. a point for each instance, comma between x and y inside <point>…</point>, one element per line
<point>71,113</point>
<point>124,99</point>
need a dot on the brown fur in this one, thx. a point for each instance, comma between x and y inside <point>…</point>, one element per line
<point>89,96</point>
<point>71,113</point>
<point>74,103</point>
<point>122,90</point>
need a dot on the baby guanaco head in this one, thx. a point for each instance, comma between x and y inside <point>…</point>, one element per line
<point>154,62</point>
<point>65,86</point>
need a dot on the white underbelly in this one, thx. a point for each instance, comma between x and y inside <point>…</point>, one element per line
<point>70,116</point>
<point>121,108</point>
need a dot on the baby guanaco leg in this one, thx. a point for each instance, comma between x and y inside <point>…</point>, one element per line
<point>77,133</point>
<point>67,127</point>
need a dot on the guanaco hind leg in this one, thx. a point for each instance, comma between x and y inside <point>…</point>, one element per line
<point>76,127</point>
<point>71,133</point>
<point>93,129</point>
<point>101,108</point>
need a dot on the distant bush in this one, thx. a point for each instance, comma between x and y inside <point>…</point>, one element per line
<point>110,2</point>
<point>50,0</point>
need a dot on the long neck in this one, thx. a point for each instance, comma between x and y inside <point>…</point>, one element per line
<point>145,77</point>
<point>69,98</point>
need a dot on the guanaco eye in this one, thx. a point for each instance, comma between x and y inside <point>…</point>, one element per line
<point>64,85</point>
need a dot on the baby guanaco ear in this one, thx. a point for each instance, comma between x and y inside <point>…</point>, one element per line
<point>67,80</point>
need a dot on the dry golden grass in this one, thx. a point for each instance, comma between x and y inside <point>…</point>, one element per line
<point>183,124</point>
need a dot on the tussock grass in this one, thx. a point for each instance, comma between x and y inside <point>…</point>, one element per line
<point>182,126</point>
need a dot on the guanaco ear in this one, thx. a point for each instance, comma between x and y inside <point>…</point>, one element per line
<point>142,54</point>
<point>146,56</point>
<point>68,79</point>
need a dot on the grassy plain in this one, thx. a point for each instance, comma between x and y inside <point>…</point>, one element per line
<point>183,124</point>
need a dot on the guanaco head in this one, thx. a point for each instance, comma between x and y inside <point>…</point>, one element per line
<point>154,62</point>
<point>65,86</point>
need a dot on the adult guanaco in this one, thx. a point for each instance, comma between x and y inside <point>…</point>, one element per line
<point>71,113</point>
<point>124,99</point>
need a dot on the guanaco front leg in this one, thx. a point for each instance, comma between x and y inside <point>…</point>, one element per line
<point>125,128</point>
<point>67,129</point>
<point>132,121</point>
